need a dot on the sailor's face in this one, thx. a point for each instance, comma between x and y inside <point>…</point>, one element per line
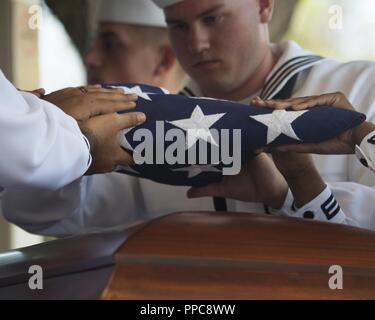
<point>117,55</point>
<point>218,42</point>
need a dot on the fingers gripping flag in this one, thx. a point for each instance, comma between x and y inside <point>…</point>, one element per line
<point>195,141</point>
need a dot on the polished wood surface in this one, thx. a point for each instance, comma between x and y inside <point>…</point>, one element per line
<point>242,256</point>
<point>78,267</point>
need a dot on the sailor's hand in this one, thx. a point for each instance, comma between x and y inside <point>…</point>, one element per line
<point>83,103</point>
<point>259,181</point>
<point>102,133</point>
<point>336,99</point>
<point>342,144</point>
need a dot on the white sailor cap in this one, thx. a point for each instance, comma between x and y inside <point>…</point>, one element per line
<point>135,12</point>
<point>165,3</point>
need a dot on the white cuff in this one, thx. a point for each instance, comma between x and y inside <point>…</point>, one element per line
<point>89,148</point>
<point>365,152</point>
<point>286,209</point>
<point>323,208</point>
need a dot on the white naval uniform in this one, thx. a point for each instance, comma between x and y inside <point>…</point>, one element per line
<point>40,146</point>
<point>102,201</point>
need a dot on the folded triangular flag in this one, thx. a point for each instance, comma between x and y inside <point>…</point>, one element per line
<point>194,141</point>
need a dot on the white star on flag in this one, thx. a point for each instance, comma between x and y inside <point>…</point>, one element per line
<point>121,136</point>
<point>165,91</point>
<point>196,170</point>
<point>138,91</point>
<point>279,122</point>
<point>198,126</point>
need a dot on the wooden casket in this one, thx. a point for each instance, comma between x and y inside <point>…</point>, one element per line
<point>201,255</point>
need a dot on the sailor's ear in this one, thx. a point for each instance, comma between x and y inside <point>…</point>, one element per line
<point>166,60</point>
<point>265,10</point>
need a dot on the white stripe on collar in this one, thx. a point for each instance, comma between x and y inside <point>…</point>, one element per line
<point>285,74</point>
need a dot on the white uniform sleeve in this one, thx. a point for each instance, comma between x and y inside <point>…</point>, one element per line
<point>352,184</point>
<point>40,145</point>
<point>357,201</point>
<point>89,204</point>
<point>355,198</point>
<point>341,202</point>
<point>54,213</point>
<point>324,207</point>
<point>365,152</point>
